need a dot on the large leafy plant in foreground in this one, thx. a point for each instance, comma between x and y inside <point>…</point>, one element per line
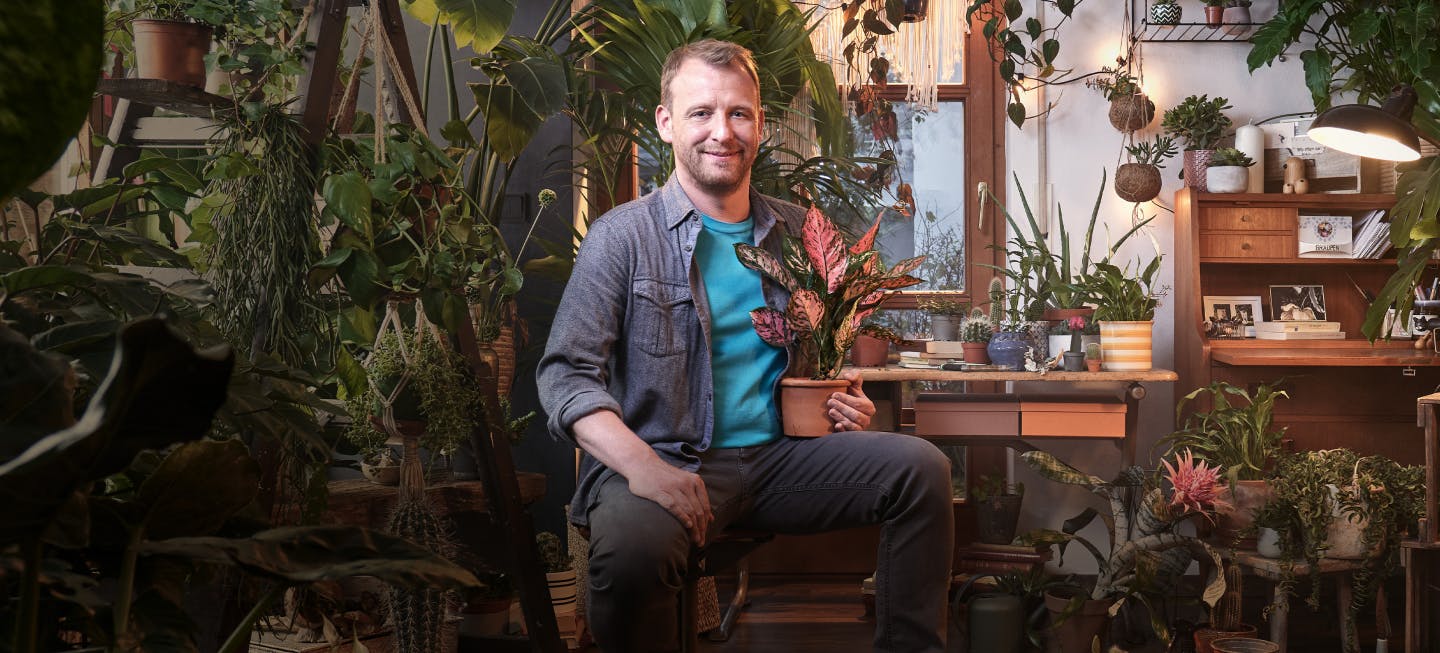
<point>832,289</point>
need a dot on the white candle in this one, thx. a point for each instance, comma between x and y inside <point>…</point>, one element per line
<point>1251,140</point>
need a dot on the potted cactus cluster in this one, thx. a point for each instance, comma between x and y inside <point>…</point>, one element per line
<point>833,288</point>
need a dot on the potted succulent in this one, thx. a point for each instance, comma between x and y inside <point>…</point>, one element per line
<point>1165,12</point>
<point>1075,355</point>
<point>1125,307</point>
<point>1146,553</point>
<point>1234,434</point>
<point>832,290</point>
<point>1130,109</point>
<point>975,335</point>
<point>945,316</point>
<point>1010,331</point>
<point>169,43</point>
<point>997,509</point>
<point>1214,13</point>
<point>1092,357</point>
<point>1326,500</point>
<point>1225,614</point>
<point>1229,171</point>
<point>1063,333</point>
<point>1237,17</point>
<point>1139,180</point>
<point>1201,122</point>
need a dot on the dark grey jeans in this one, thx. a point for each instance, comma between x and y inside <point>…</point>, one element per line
<point>638,551</point>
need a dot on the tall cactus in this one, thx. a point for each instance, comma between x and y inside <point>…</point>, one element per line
<point>1225,614</point>
<point>997,303</point>
<point>419,614</point>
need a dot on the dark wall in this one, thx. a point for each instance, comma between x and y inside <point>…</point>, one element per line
<point>544,164</point>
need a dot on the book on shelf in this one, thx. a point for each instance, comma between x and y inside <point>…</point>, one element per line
<point>1297,326</point>
<point>944,347</point>
<point>1372,236</point>
<point>1324,236</point>
<point>1300,335</point>
<point>918,364</point>
<point>930,356</point>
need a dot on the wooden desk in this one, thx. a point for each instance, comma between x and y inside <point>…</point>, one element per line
<point>1134,391</point>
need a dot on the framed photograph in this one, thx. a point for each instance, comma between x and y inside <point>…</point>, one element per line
<point>1232,316</point>
<point>1297,303</point>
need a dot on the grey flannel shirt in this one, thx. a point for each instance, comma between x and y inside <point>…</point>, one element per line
<point>633,329</point>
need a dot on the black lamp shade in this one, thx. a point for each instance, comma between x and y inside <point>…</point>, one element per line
<point>1370,131</point>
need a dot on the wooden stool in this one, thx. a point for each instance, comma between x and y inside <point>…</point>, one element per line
<point>1342,571</point>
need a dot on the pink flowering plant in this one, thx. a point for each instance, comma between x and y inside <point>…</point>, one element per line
<point>1194,486</point>
<point>832,289</point>
<point>1146,555</point>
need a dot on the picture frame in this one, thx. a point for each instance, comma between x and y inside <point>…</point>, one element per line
<point>1297,303</point>
<point>1241,312</point>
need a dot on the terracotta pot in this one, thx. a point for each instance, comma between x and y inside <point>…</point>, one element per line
<point>804,412</point>
<point>1214,16</point>
<point>1205,635</point>
<point>1125,346</point>
<point>1137,182</point>
<point>171,50</point>
<point>975,352</point>
<point>1075,634</point>
<point>869,352</point>
<point>1129,113</point>
<point>1092,365</point>
<point>1061,314</point>
<point>1245,497</point>
<point>1197,164</point>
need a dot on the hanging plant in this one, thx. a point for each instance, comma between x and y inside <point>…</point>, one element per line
<point>1130,109</point>
<point>1139,180</point>
<point>1025,50</point>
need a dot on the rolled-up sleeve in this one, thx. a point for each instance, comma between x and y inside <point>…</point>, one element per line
<point>572,375</point>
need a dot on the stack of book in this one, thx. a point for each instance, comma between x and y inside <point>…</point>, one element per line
<point>1372,236</point>
<point>926,359</point>
<point>1299,330</point>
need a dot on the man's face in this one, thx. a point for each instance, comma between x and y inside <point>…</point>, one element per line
<point>713,122</point>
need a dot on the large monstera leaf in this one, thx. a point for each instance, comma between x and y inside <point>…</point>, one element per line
<point>479,24</point>
<point>50,54</point>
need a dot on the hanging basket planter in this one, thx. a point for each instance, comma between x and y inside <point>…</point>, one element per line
<point>1137,182</point>
<point>1129,113</point>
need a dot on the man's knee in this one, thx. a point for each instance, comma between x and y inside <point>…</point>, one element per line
<point>635,544</point>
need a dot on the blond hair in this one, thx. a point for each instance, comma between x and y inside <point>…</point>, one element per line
<point>711,51</point>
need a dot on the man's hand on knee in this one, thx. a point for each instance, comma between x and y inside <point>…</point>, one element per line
<point>851,410</point>
<point>680,492</point>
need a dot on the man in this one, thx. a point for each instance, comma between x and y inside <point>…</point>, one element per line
<point>654,370</point>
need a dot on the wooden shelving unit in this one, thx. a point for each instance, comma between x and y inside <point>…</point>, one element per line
<point>1349,392</point>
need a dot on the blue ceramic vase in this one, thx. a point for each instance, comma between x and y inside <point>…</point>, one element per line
<point>1007,349</point>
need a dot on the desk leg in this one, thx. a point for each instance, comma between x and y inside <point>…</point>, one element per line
<point>1348,637</point>
<point>1431,529</point>
<point>1280,618</point>
<point>1133,394</point>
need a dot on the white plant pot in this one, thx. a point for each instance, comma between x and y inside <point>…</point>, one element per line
<point>563,590</point>
<point>1344,539</point>
<point>1227,179</point>
<point>944,327</point>
<point>1059,343</point>
<point>1267,543</point>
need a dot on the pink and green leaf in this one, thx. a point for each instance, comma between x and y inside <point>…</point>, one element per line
<point>906,266</point>
<point>902,281</point>
<point>867,242</point>
<point>826,248</point>
<point>770,325</point>
<point>805,311</point>
<point>763,262</point>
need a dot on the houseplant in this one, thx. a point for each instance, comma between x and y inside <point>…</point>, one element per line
<point>1010,330</point>
<point>1075,355</point>
<point>1165,12</point>
<point>1139,180</point>
<point>1145,553</point>
<point>1125,308</point>
<point>1229,171</point>
<point>832,290</point>
<point>560,574</point>
<point>945,316</point>
<point>1201,122</point>
<point>1092,357</point>
<point>1064,332</point>
<point>1235,434</point>
<point>975,334</point>
<point>1130,109</point>
<point>997,509</point>
<point>1214,13</point>
<point>1225,614</point>
<point>169,43</point>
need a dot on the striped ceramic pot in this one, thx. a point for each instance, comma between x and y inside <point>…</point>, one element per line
<point>1164,14</point>
<point>1125,346</point>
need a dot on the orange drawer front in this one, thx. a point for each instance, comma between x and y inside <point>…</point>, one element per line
<point>1242,245</point>
<point>1072,420</point>
<point>941,414</point>
<point>1248,219</point>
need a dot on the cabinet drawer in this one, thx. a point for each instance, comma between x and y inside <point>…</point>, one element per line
<point>1242,218</point>
<point>1243,245</point>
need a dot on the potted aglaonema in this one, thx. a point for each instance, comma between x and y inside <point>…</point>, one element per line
<point>833,288</point>
<point>1125,307</point>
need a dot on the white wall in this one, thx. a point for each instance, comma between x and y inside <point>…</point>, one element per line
<point>1080,141</point>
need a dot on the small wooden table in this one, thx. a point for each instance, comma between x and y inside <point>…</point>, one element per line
<point>1342,571</point>
<point>1134,391</point>
<point>1422,558</point>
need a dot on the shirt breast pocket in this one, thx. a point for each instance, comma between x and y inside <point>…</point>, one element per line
<point>664,317</point>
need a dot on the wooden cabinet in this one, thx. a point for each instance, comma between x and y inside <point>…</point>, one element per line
<point>1343,392</point>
